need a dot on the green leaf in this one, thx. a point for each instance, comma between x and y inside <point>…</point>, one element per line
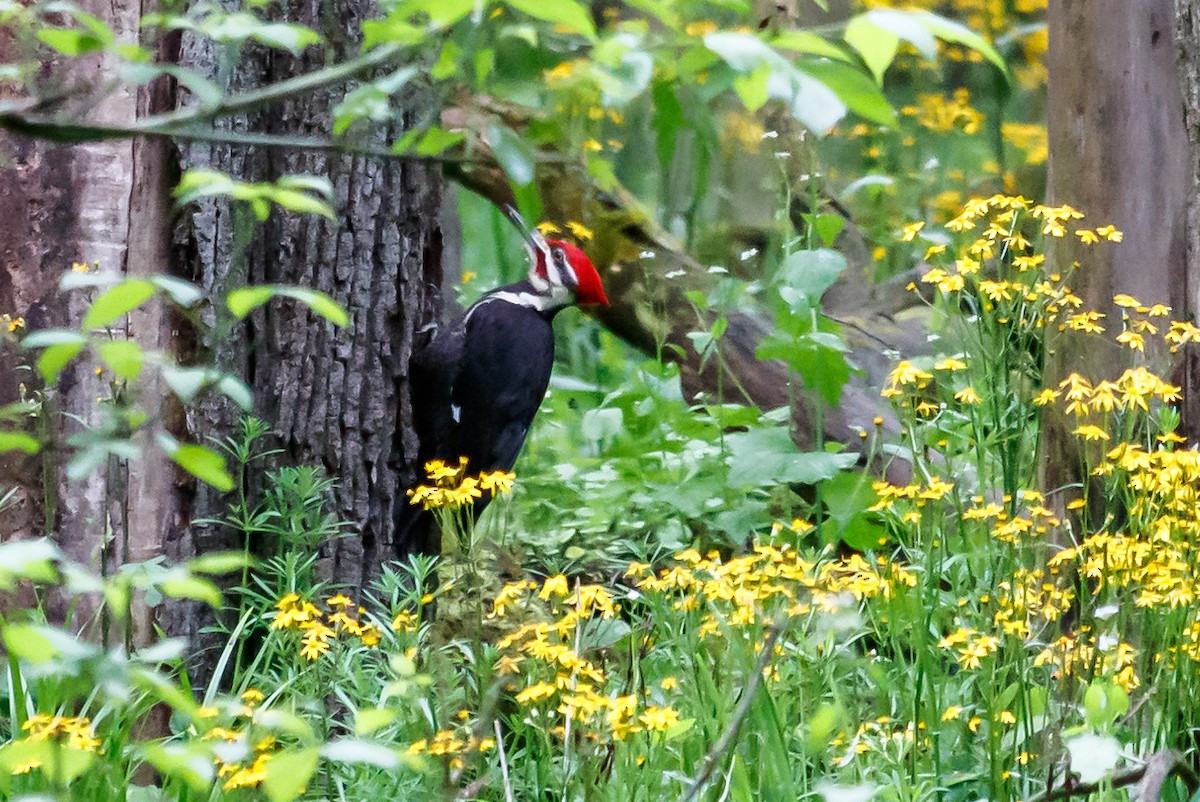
<point>38,644</point>
<point>245,300</point>
<point>372,719</point>
<point>186,382</point>
<point>19,441</point>
<point>956,32</point>
<point>205,464</point>
<point>70,42</point>
<point>810,273</point>
<point>184,586</point>
<point>875,44</point>
<point>191,763</point>
<point>514,154</point>
<point>184,293</point>
<point>568,13</point>
<point>752,87</point>
<point>117,301</point>
<point>352,750</point>
<point>302,203</point>
<point>320,303</point>
<point>28,559</point>
<point>768,456</point>
<point>437,140</point>
<point>808,100</point>
<point>55,358</point>
<point>288,773</point>
<point>221,562</point>
<point>236,391</point>
<point>123,357</point>
<point>856,89</point>
<point>808,43</point>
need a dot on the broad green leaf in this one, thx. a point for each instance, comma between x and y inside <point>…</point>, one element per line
<point>910,27</point>
<point>245,300</point>
<point>19,441</point>
<point>221,562</point>
<point>288,773</point>
<point>808,43</point>
<point>69,41</point>
<point>320,303</point>
<point>55,358</point>
<point>570,14</point>
<point>184,586</point>
<point>956,32</point>
<point>514,154</point>
<point>192,763</point>
<point>438,140</point>
<point>854,87</point>
<point>123,357</point>
<point>184,293</point>
<point>352,750</point>
<point>808,100</point>
<point>372,719</point>
<point>876,45</point>
<point>47,337</point>
<point>1093,757</point>
<point>38,644</point>
<point>768,456</point>
<point>302,203</point>
<point>236,390</point>
<point>117,301</point>
<point>28,559</point>
<point>205,464</point>
<point>394,29</point>
<point>752,87</point>
<point>186,382</point>
<point>810,273</point>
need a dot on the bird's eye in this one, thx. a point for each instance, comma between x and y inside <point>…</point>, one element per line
<point>560,256</point>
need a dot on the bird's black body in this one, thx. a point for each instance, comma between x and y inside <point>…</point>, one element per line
<point>475,390</point>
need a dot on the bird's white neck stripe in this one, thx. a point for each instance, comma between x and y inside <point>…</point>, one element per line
<point>557,297</point>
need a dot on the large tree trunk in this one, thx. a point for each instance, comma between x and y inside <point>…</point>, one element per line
<point>1187,40</point>
<point>335,398</point>
<point>106,203</point>
<point>1118,152</point>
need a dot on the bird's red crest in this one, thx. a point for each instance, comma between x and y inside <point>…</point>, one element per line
<point>588,289</point>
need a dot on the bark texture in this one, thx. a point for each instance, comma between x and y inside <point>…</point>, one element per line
<point>98,203</point>
<point>336,398</point>
<point>1187,41</point>
<point>1118,152</point>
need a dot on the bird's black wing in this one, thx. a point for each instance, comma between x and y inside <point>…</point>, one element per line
<point>505,368</point>
<point>432,373</point>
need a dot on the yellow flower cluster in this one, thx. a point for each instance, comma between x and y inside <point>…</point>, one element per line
<point>73,732</point>
<point>1089,656</point>
<point>970,646</point>
<point>1032,600</point>
<point>320,627</point>
<point>942,115</point>
<point>560,680</point>
<point>451,488</point>
<point>251,771</point>
<point>452,744</point>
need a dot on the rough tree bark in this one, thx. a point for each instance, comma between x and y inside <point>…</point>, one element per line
<point>106,203</point>
<point>335,398</point>
<point>1187,41</point>
<point>1118,152</point>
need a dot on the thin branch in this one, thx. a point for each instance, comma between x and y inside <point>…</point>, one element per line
<point>739,715</point>
<point>1155,771</point>
<point>292,87</point>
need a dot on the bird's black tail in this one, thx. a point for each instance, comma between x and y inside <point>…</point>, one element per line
<point>414,530</point>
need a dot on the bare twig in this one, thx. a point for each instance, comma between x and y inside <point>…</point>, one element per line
<point>1152,774</point>
<point>739,715</point>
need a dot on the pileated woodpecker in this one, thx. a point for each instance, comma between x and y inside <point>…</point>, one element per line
<point>477,385</point>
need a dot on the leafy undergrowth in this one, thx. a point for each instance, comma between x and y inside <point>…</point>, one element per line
<point>989,640</point>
